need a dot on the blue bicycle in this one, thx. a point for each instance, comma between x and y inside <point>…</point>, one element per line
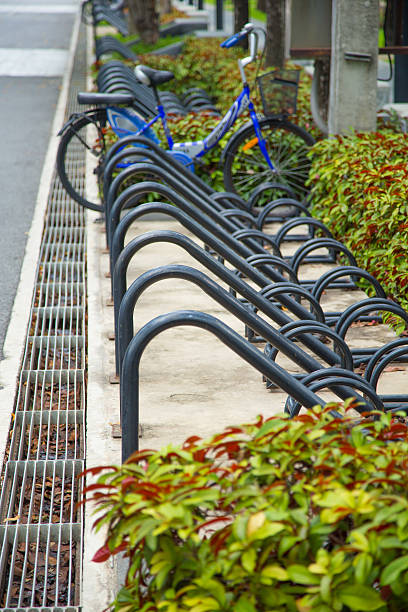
<point>269,147</point>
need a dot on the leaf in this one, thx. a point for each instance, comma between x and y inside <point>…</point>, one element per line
<point>363,564</point>
<point>255,522</point>
<point>286,543</point>
<point>102,554</point>
<point>248,560</point>
<point>360,597</point>
<point>360,541</point>
<point>244,605</point>
<point>325,588</point>
<point>275,571</point>
<point>302,575</point>
<point>393,570</point>
<point>267,530</point>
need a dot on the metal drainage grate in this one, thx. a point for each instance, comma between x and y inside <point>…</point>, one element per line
<point>40,522</point>
<point>48,435</point>
<point>41,492</point>
<point>51,390</point>
<point>39,565</point>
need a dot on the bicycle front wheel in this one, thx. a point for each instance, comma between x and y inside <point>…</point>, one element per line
<point>246,168</point>
<point>80,156</point>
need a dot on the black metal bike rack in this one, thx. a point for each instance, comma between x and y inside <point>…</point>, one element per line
<point>129,383</point>
<point>105,45</point>
<point>328,378</point>
<point>265,216</point>
<point>216,292</point>
<point>302,358</point>
<point>101,11</point>
<point>327,281</point>
<point>230,233</point>
<point>392,352</point>
<point>223,248</point>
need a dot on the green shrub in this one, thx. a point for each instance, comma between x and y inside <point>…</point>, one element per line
<point>298,515</point>
<point>359,189</point>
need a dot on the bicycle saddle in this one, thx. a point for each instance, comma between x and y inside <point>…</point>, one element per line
<point>85,97</point>
<point>150,76</point>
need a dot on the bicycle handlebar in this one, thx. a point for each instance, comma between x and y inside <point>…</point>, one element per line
<point>233,40</point>
<point>236,38</point>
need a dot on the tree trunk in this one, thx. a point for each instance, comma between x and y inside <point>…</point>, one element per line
<point>144,19</point>
<point>322,66</point>
<point>165,7</point>
<point>261,5</point>
<point>241,17</point>
<point>275,33</point>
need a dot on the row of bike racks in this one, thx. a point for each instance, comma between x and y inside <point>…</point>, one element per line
<point>95,12</point>
<point>266,282</point>
<point>114,76</point>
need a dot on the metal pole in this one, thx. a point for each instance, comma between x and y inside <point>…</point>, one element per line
<point>401,61</point>
<point>219,15</point>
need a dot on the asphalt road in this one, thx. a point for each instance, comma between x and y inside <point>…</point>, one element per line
<point>34,39</point>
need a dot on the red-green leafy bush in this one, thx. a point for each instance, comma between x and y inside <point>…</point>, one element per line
<point>359,189</point>
<point>298,515</point>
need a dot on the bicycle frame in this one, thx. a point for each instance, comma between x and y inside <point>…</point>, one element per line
<point>194,149</point>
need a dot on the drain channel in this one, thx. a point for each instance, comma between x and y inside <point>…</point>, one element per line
<point>40,523</point>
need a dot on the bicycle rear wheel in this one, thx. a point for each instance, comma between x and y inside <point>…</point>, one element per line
<point>246,168</point>
<point>80,156</point>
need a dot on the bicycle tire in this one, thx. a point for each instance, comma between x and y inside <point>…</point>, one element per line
<point>245,167</point>
<point>83,133</point>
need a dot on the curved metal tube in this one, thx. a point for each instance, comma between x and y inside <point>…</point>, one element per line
<point>330,377</point>
<point>199,210</point>
<point>387,348</point>
<point>186,189</point>
<point>359,308</point>
<point>119,272</point>
<point>230,197</point>
<point>277,289</point>
<point>310,221</point>
<point>129,388</point>
<point>254,297</point>
<point>325,280</point>
<point>216,292</point>
<point>258,191</point>
<point>242,234</point>
<point>242,215</point>
<point>259,261</point>
<point>266,210</point>
<point>264,305</point>
<point>296,329</point>
<point>317,243</point>
<point>379,367</point>
<point>148,145</point>
<point>152,167</point>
